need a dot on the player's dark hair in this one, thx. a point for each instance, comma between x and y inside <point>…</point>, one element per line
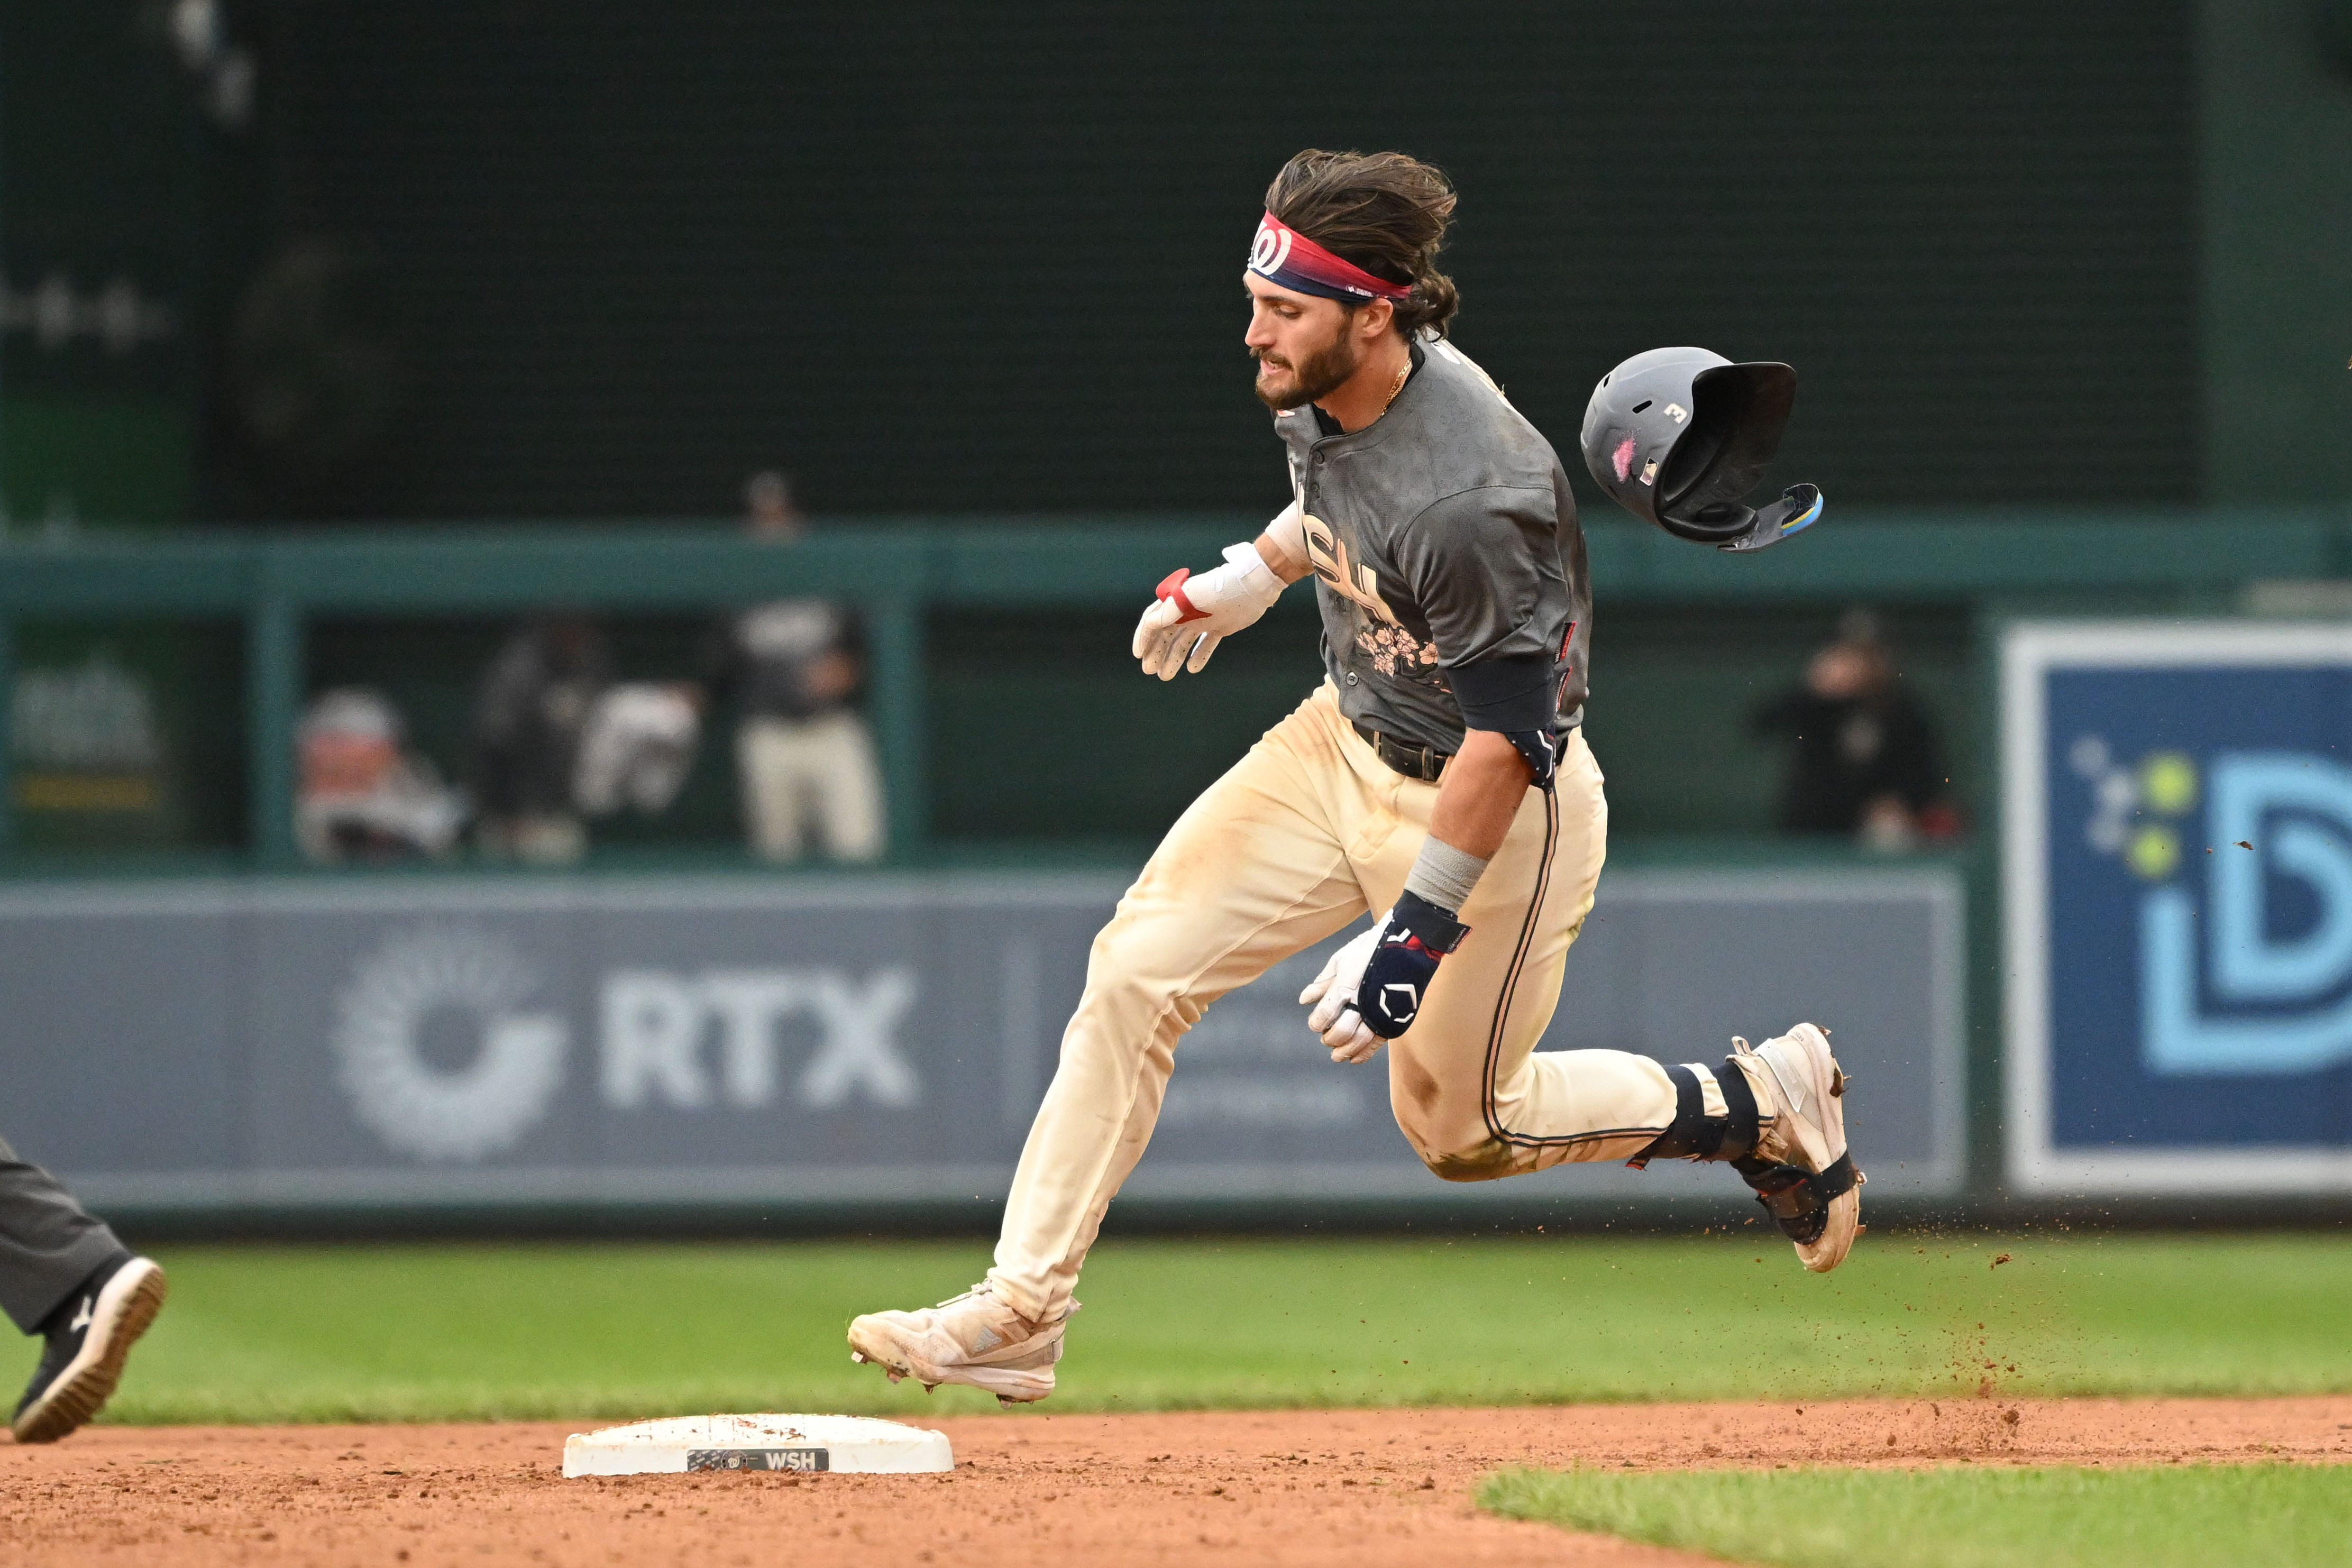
<point>1382,211</point>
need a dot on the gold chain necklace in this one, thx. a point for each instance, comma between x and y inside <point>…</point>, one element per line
<point>1398,387</point>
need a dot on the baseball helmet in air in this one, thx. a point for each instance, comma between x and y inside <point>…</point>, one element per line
<point>1678,437</point>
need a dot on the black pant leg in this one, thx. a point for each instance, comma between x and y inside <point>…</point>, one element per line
<point>48,1243</point>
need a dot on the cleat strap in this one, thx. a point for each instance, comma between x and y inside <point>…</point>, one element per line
<point>1694,1134</point>
<point>1746,1126</point>
<point>1799,1200</point>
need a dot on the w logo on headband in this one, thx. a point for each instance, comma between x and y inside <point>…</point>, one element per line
<point>1270,249</point>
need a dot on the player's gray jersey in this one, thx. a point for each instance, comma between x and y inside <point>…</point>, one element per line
<point>1444,540</point>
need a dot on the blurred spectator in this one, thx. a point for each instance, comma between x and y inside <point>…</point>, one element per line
<point>1866,763</point>
<point>803,753</point>
<point>363,797</point>
<point>528,718</point>
<point>636,748</point>
<point>770,510</point>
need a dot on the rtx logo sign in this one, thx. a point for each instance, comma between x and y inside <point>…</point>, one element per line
<point>450,1050</point>
<point>654,1026</point>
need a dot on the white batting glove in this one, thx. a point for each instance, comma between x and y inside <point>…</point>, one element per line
<point>1193,615</point>
<point>1332,995</point>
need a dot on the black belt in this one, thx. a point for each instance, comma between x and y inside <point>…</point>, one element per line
<point>1413,761</point>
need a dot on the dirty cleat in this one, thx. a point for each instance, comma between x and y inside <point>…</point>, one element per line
<point>973,1338</point>
<point>1801,1172</point>
<point>89,1337</point>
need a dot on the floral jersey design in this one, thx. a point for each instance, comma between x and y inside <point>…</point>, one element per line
<point>1392,645</point>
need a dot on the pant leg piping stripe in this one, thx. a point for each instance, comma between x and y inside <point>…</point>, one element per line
<point>1501,1133</point>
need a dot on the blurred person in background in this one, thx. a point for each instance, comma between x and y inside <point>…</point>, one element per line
<point>65,1277</point>
<point>638,747</point>
<point>363,797</point>
<point>804,753</point>
<point>528,717</point>
<point>1865,764</point>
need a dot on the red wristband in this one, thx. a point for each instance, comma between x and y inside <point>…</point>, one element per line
<point>1172,587</point>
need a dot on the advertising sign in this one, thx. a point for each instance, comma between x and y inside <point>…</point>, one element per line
<point>2178,876</point>
<point>854,1039</point>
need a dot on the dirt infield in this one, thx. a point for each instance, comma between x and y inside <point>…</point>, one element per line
<point>1352,1489</point>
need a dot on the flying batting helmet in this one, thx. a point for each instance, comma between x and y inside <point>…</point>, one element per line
<point>1678,436</point>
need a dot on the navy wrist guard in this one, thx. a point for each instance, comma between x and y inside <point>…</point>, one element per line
<point>1417,934</point>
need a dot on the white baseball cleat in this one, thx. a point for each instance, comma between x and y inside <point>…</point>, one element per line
<point>1805,1134</point>
<point>973,1338</point>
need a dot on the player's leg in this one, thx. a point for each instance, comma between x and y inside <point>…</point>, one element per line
<point>64,1276</point>
<point>1256,870</point>
<point>1477,1099</point>
<point>1471,1094</point>
<point>771,795</point>
<point>847,786</point>
<point>49,1242</point>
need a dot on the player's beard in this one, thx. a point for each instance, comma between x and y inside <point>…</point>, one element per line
<point>1326,371</point>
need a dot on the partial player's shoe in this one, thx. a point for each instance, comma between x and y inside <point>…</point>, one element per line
<point>1813,1190</point>
<point>89,1338</point>
<point>973,1338</point>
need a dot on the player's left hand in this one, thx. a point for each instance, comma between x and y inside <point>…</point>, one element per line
<point>1332,995</point>
<point>1372,988</point>
<point>1191,615</point>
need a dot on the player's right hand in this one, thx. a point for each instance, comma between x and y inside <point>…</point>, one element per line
<point>1191,615</point>
<point>1332,995</point>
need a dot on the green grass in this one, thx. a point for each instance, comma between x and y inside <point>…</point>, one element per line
<point>397,1333</point>
<point>2173,1516</point>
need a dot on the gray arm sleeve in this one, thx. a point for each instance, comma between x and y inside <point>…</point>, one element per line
<point>1443,874</point>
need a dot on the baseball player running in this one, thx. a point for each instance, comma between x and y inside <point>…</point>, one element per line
<point>1438,777</point>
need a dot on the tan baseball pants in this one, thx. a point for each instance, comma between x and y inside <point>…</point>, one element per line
<point>823,770</point>
<point>1301,836</point>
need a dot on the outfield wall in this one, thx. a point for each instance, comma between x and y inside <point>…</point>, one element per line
<point>242,1046</point>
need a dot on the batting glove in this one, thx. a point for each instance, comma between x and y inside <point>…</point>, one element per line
<point>1191,615</point>
<point>1372,988</point>
<point>1332,995</point>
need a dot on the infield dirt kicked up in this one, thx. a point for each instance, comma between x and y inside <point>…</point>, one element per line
<point>1362,1488</point>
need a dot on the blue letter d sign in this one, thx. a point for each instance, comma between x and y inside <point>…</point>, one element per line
<point>2278,977</point>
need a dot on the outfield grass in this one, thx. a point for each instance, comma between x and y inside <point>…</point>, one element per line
<point>396,1332</point>
<point>2170,1516</point>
